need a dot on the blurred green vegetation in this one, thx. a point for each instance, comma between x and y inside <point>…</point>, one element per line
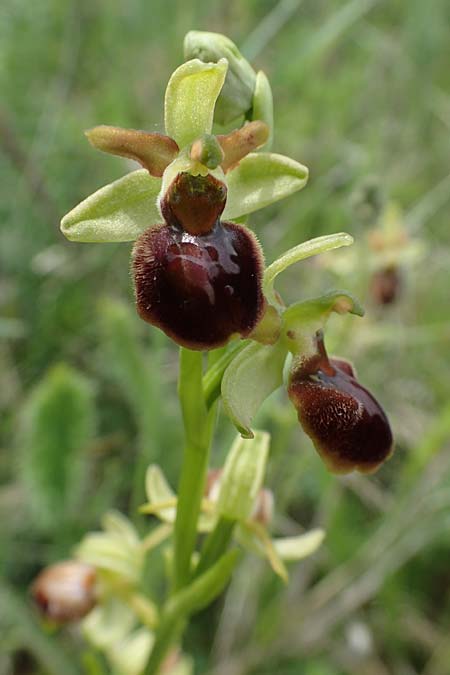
<point>88,395</point>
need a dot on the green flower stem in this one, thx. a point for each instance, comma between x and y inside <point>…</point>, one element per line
<point>198,425</point>
<point>191,599</point>
<point>215,544</point>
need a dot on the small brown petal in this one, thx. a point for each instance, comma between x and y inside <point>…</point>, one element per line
<point>65,591</point>
<point>152,150</point>
<point>345,422</point>
<point>200,290</point>
<point>240,142</point>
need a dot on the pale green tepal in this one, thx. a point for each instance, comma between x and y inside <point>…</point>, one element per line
<point>124,209</point>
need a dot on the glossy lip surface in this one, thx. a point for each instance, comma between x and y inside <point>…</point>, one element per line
<point>199,289</point>
<point>345,422</point>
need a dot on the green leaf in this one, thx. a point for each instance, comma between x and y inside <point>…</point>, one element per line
<point>243,476</point>
<point>120,211</point>
<point>261,179</point>
<point>249,379</point>
<point>190,99</point>
<point>53,656</point>
<point>56,427</point>
<point>263,105</point>
<point>301,252</point>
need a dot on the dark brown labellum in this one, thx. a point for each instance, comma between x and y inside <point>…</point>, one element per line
<point>194,203</point>
<point>65,591</point>
<point>345,422</point>
<point>385,286</point>
<point>200,290</point>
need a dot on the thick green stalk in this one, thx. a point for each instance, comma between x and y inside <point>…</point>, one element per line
<point>198,426</point>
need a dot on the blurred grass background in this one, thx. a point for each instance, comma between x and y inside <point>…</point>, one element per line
<point>87,396</point>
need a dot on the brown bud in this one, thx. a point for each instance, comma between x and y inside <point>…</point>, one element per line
<point>346,424</point>
<point>385,286</point>
<point>65,591</point>
<point>194,203</point>
<point>200,290</point>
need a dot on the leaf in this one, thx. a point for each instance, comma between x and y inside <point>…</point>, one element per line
<point>243,476</point>
<point>296,548</point>
<point>190,99</point>
<point>301,252</point>
<point>56,427</point>
<point>261,179</point>
<point>251,377</point>
<point>120,211</point>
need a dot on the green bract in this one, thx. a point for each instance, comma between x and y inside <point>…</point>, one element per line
<point>124,209</point>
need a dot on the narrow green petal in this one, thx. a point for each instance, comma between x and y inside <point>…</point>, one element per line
<point>261,179</point>
<point>190,99</point>
<point>120,211</point>
<point>301,252</point>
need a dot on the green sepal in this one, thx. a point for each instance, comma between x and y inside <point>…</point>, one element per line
<point>263,105</point>
<point>303,319</point>
<point>251,377</point>
<point>299,547</point>
<point>305,250</point>
<point>120,211</point>
<point>243,476</point>
<point>190,99</point>
<point>261,179</point>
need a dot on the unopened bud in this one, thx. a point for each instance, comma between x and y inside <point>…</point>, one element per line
<point>65,591</point>
<point>236,98</point>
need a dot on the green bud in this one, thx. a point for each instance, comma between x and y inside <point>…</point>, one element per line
<point>236,97</point>
<point>243,476</point>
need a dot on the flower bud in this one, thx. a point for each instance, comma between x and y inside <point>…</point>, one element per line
<point>65,591</point>
<point>199,289</point>
<point>236,98</point>
<point>346,424</point>
<point>263,505</point>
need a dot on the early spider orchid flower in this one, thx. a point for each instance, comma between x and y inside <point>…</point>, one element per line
<point>197,273</point>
